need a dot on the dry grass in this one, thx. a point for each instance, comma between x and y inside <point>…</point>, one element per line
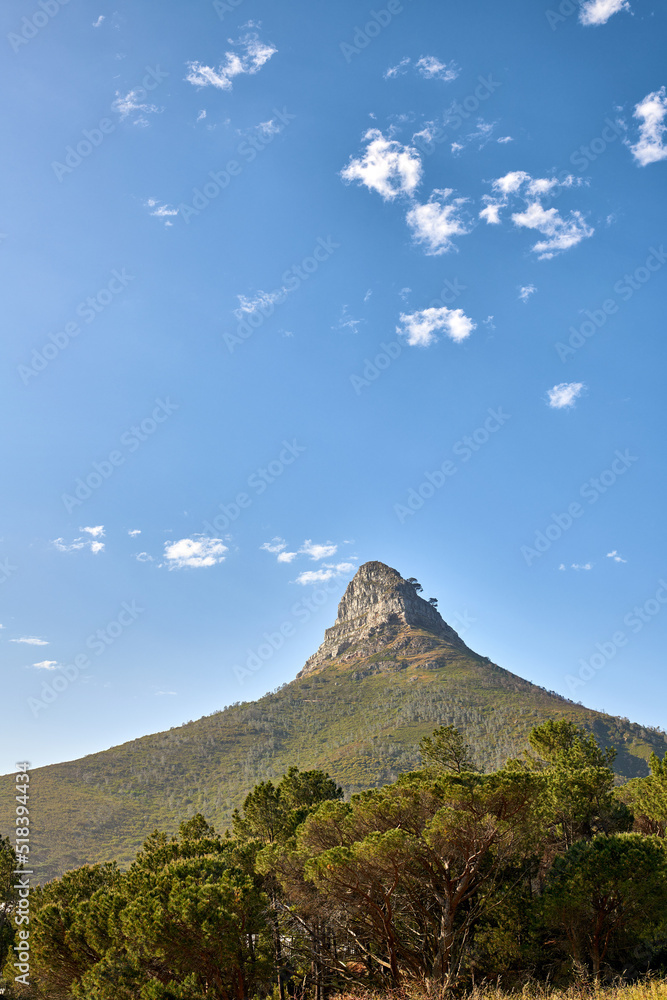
<point>650,989</point>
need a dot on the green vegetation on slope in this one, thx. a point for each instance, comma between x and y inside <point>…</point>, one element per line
<point>360,722</point>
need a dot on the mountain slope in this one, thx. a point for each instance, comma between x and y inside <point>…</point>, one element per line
<point>388,672</point>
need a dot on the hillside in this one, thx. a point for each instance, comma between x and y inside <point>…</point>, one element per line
<point>388,672</point>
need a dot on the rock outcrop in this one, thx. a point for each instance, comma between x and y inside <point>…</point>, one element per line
<point>380,612</point>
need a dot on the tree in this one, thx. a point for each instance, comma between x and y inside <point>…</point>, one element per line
<point>433,601</point>
<point>399,870</point>
<point>647,797</point>
<point>579,802</point>
<point>415,583</point>
<point>8,897</point>
<point>446,750</point>
<point>604,890</point>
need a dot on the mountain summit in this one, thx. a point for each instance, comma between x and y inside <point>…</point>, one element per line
<point>389,671</point>
<point>381,612</point>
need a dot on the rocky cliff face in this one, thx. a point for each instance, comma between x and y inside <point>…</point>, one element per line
<point>381,613</point>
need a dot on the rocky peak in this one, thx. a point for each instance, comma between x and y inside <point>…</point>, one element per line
<point>382,612</point>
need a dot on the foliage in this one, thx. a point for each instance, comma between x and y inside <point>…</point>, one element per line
<point>605,892</point>
<point>364,731</point>
<point>442,877</point>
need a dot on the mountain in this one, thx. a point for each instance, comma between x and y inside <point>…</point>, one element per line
<point>388,672</point>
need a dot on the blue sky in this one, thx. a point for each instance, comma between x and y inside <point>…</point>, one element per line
<point>291,287</point>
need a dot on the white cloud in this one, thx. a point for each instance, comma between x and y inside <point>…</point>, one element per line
<point>160,693</point>
<point>260,301</point>
<point>386,166</point>
<point>276,545</point>
<point>432,69</point>
<point>599,11</point>
<point>161,211</point>
<point>348,322</point>
<point>565,394</point>
<point>143,557</point>
<point>131,103</point>
<point>47,665</point>
<point>435,223</point>
<point>195,552</point>
<point>421,328</point>
<point>578,566</point>
<point>201,116</point>
<point>63,546</point>
<point>525,291</point>
<point>82,543</point>
<point>615,556</point>
<point>133,532</point>
<point>651,111</point>
<point>287,557</point>
<point>98,22</point>
<point>505,138</point>
<point>250,61</point>
<point>330,571</point>
<point>483,132</point>
<point>31,640</point>
<point>96,532</point>
<point>562,233</point>
<point>315,551</point>
<point>398,70</point>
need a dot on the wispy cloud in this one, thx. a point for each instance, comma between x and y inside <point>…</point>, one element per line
<point>161,211</point>
<point>260,301</point>
<point>329,571</point>
<point>599,11</point>
<point>651,111</point>
<point>133,532</point>
<point>433,69</point>
<point>99,21</point>
<point>577,566</point>
<point>435,223</point>
<point>525,291</point>
<point>46,665</point>
<point>252,56</point>
<point>565,394</point>
<point>400,69</point>
<point>31,640</point>
<point>615,556</point>
<point>561,232</point>
<point>386,166</point>
<point>91,543</point>
<point>194,553</point>
<point>131,103</point>
<point>430,67</point>
<point>422,328</point>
